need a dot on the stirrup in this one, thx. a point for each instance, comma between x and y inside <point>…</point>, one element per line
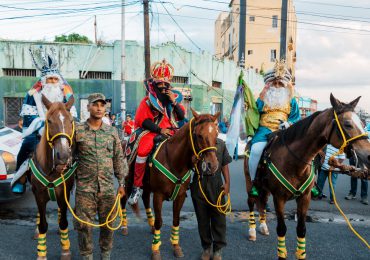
<point>315,192</point>
<point>19,188</point>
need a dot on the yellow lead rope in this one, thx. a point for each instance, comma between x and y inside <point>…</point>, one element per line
<point>341,149</point>
<point>222,208</point>
<point>108,220</point>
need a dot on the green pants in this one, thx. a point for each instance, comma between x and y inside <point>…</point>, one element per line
<point>87,205</point>
<point>211,223</point>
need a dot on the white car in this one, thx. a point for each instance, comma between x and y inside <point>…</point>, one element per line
<point>10,143</point>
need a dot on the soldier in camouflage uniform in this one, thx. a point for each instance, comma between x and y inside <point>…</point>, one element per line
<point>100,156</point>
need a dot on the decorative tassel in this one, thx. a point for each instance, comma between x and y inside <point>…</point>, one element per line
<point>41,245</point>
<point>301,248</point>
<point>252,221</point>
<point>64,239</point>
<point>175,235</point>
<point>282,252</point>
<point>150,217</point>
<point>156,243</point>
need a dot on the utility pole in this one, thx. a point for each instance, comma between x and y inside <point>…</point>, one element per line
<point>95,30</point>
<point>146,38</point>
<point>242,25</point>
<point>123,64</point>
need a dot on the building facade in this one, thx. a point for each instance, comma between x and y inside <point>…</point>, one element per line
<point>307,106</point>
<point>207,83</point>
<point>270,33</point>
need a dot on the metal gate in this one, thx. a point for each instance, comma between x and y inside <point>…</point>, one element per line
<point>13,106</point>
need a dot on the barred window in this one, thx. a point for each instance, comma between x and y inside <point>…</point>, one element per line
<point>13,107</point>
<point>20,72</point>
<point>216,84</point>
<point>179,79</point>
<point>96,75</point>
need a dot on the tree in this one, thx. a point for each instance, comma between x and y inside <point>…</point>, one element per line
<point>73,37</point>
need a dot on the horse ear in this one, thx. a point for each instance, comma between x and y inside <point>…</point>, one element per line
<point>46,101</point>
<point>195,114</point>
<point>354,103</point>
<point>336,104</point>
<point>70,102</point>
<point>216,116</point>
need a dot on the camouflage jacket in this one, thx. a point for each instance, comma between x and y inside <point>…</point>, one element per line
<point>99,154</point>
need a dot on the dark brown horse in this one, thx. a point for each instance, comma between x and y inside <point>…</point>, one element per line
<point>178,156</point>
<point>292,151</point>
<point>53,155</point>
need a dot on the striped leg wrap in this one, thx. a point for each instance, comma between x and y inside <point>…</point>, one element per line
<point>175,232</point>
<point>149,216</point>
<point>124,218</point>
<point>156,243</point>
<point>64,239</point>
<point>41,245</point>
<point>301,248</point>
<point>282,252</point>
<point>262,217</point>
<point>59,215</point>
<point>252,220</point>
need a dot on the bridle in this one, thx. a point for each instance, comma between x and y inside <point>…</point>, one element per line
<point>347,139</point>
<point>59,135</point>
<point>199,155</point>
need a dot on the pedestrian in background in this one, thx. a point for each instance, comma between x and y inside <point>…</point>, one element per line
<point>128,126</point>
<point>224,125</point>
<point>212,223</point>
<point>324,173</point>
<point>100,156</point>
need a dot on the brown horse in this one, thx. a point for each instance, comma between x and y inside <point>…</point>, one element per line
<point>291,151</point>
<point>52,156</point>
<point>178,156</point>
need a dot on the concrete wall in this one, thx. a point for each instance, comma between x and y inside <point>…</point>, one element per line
<point>200,68</point>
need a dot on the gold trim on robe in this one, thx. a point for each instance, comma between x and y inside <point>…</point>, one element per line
<point>272,117</point>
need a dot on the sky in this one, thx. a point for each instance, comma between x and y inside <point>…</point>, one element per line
<point>332,36</point>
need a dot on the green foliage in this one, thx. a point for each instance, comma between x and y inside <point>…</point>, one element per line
<point>73,37</point>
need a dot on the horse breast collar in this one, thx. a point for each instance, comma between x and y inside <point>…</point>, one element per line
<point>51,185</point>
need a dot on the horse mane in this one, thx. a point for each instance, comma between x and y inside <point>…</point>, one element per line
<point>41,149</point>
<point>299,129</point>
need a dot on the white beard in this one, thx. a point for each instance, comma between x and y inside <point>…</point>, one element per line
<point>53,92</point>
<point>277,97</point>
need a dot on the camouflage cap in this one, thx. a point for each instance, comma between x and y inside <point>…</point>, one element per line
<point>96,97</point>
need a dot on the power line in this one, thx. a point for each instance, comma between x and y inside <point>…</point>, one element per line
<point>187,36</point>
<point>267,17</point>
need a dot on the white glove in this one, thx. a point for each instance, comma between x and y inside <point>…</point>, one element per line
<point>284,125</point>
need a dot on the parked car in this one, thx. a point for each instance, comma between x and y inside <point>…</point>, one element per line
<point>10,143</point>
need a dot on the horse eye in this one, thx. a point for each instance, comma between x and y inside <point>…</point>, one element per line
<point>348,125</point>
<point>49,121</point>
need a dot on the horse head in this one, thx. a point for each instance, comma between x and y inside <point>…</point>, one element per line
<point>204,132</point>
<point>59,131</point>
<point>348,129</point>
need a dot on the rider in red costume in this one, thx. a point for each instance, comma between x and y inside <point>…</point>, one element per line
<point>158,113</point>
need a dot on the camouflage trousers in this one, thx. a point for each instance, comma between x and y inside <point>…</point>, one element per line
<point>87,205</point>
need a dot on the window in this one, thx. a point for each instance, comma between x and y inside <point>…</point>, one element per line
<point>20,72</point>
<point>216,84</point>
<point>252,18</point>
<point>250,52</point>
<point>274,21</point>
<point>273,55</point>
<point>96,75</point>
<point>13,107</point>
<point>179,79</point>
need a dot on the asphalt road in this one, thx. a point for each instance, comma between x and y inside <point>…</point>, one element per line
<point>327,235</point>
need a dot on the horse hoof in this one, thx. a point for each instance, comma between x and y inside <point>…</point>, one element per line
<point>252,234</point>
<point>177,251</point>
<point>66,255</point>
<point>264,230</point>
<point>125,231</point>
<point>156,255</point>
